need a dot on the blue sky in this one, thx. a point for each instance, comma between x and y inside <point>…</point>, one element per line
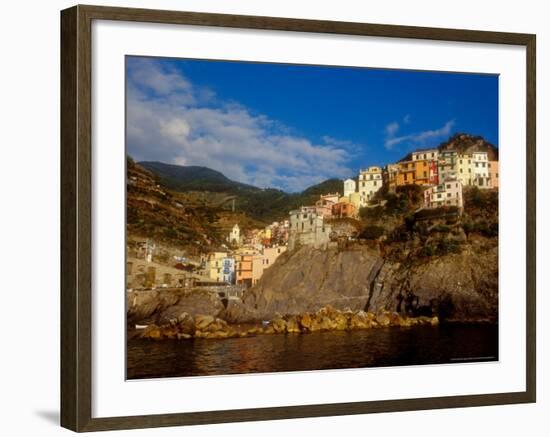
<point>291,126</point>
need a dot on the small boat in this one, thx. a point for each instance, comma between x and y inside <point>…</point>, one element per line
<point>141,326</point>
<point>265,322</point>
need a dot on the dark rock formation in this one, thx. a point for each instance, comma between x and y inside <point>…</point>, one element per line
<point>164,305</point>
<point>456,287</point>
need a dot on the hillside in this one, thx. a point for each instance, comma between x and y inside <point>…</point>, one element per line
<point>192,222</point>
<point>264,205</point>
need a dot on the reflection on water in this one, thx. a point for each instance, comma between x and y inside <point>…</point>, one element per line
<point>314,351</point>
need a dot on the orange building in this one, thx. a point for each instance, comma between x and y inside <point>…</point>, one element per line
<point>243,269</point>
<point>406,174</point>
<point>493,173</point>
<point>419,172</point>
<point>344,209</point>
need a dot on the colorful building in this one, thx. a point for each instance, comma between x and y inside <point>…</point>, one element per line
<point>214,265</point>
<point>228,270</point>
<point>406,174</point>
<point>448,193</point>
<point>370,181</point>
<point>244,269</point>
<point>389,176</point>
<point>344,209</point>
<point>418,172</point>
<point>464,169</point>
<point>447,165</point>
<point>324,205</point>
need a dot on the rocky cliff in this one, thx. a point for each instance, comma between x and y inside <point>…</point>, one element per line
<point>456,287</point>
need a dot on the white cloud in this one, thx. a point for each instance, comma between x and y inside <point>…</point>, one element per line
<point>407,119</point>
<point>171,120</point>
<point>419,137</point>
<point>392,128</point>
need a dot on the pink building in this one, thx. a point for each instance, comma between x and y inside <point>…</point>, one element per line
<point>323,206</point>
<point>493,174</point>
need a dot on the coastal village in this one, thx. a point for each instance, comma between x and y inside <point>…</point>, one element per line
<point>247,253</point>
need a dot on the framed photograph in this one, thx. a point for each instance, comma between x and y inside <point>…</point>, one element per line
<point>268,218</point>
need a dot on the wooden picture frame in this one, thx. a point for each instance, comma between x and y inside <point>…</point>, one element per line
<point>76,217</point>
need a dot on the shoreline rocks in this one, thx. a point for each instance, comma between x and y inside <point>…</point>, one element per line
<point>186,327</point>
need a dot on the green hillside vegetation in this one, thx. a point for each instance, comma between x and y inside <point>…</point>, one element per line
<point>264,205</point>
<point>411,234</point>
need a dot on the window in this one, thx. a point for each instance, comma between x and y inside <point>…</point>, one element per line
<point>461,161</point>
<point>425,174</point>
<point>448,185</point>
<point>439,196</point>
<point>432,154</point>
<point>374,183</point>
<point>448,194</point>
<point>460,170</point>
<point>469,170</point>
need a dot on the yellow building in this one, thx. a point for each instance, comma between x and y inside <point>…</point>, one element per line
<point>214,265</point>
<point>464,169</point>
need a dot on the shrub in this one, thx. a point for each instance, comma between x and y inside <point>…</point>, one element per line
<point>441,228</point>
<point>371,232</point>
<point>427,251</point>
<point>371,213</point>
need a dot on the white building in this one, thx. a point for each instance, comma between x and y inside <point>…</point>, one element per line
<point>480,170</point>
<point>448,193</point>
<point>235,235</point>
<point>349,187</point>
<point>429,154</point>
<point>370,181</point>
<point>307,228</point>
<point>474,170</point>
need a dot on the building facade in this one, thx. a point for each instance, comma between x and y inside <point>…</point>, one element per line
<point>389,176</point>
<point>370,181</point>
<point>447,165</point>
<point>307,228</point>
<point>349,187</point>
<point>480,170</point>
<point>214,266</point>
<point>235,235</point>
<point>243,269</point>
<point>493,173</point>
<point>228,270</point>
<point>344,209</point>
<point>448,193</point>
<point>425,155</point>
<point>324,205</point>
